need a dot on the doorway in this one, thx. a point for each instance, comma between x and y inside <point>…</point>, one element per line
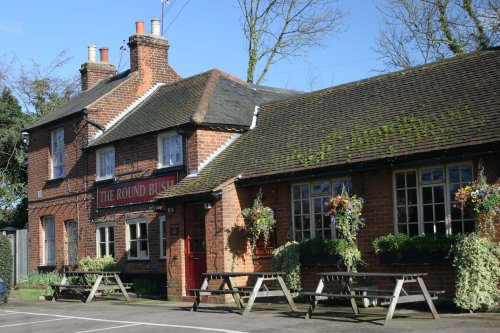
<point>196,260</point>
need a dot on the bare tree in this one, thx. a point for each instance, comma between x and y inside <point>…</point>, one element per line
<point>278,29</point>
<point>421,31</point>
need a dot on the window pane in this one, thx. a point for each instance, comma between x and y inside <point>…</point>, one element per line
<point>412,196</point>
<point>400,180</point>
<point>439,194</point>
<point>401,197</point>
<point>144,230</point>
<point>111,249</point>
<point>305,207</point>
<point>133,231</point>
<point>440,228</point>
<point>318,205</point>
<point>402,215</point>
<point>102,249</point>
<point>296,207</point>
<point>428,228</point>
<point>466,173</point>
<point>102,234</point>
<point>296,192</point>
<point>111,234</point>
<point>437,174</point>
<point>454,174</point>
<point>402,228</point>
<point>426,175</point>
<point>427,195</point>
<point>412,214</point>
<point>428,213</point>
<point>439,212</point>
<point>133,249</point>
<point>144,248</point>
<point>413,229</point>
<point>411,179</point>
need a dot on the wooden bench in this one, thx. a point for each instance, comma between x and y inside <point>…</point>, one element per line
<point>344,295</point>
<point>206,292</point>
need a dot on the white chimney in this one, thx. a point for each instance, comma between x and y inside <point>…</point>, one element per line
<point>155,27</point>
<point>91,53</point>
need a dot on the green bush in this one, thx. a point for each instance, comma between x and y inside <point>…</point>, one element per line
<point>477,272</point>
<point>146,286</point>
<point>286,258</point>
<point>106,263</point>
<point>39,280</point>
<point>401,243</point>
<point>318,246</point>
<point>6,264</point>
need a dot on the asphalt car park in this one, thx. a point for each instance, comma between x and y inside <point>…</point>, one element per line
<point>143,316</point>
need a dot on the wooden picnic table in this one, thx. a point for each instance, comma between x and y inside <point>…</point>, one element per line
<point>258,289</point>
<point>83,281</point>
<point>392,297</point>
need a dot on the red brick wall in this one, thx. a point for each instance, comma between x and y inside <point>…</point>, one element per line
<point>202,144</point>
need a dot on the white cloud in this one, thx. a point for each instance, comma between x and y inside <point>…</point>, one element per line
<point>13,28</point>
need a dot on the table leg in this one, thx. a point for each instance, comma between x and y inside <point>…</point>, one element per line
<point>94,288</point>
<point>394,301</point>
<point>122,288</point>
<point>286,292</point>
<point>255,291</point>
<point>197,300</point>
<point>312,300</point>
<point>427,297</point>
<point>237,299</point>
<point>354,306</point>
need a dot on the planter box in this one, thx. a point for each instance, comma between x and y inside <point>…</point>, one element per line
<point>319,260</point>
<point>411,258</point>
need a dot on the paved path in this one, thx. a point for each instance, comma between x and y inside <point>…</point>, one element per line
<point>140,316</point>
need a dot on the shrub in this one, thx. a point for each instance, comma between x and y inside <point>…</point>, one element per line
<point>286,258</point>
<point>39,280</point>
<point>6,264</point>
<point>318,246</point>
<point>401,243</point>
<point>106,263</point>
<point>477,272</point>
<point>145,286</point>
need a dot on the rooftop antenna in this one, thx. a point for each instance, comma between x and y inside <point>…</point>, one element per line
<point>163,2</point>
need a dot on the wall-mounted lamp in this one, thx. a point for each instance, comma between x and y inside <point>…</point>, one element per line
<point>170,209</point>
<point>25,136</point>
<point>208,205</point>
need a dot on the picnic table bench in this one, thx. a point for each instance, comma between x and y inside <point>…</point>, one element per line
<point>84,287</point>
<point>258,289</point>
<point>389,297</point>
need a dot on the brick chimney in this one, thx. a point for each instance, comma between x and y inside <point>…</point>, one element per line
<point>149,54</point>
<point>94,71</point>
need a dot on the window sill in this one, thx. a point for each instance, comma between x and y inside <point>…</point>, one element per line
<point>104,181</point>
<point>165,170</point>
<point>137,259</point>
<point>55,180</point>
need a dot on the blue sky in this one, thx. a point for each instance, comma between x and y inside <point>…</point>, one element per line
<point>202,34</point>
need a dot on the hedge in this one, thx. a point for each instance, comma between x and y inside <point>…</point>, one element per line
<point>6,263</point>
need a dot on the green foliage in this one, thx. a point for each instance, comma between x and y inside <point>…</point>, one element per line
<point>6,263</point>
<point>106,263</point>
<point>477,272</point>
<point>318,246</point>
<point>259,221</point>
<point>13,167</point>
<point>401,243</point>
<point>286,258</point>
<point>39,280</point>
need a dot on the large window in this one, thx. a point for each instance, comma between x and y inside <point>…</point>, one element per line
<point>169,150</point>
<point>49,239</point>
<point>137,239</point>
<point>106,239</point>
<point>163,237</point>
<point>105,159</point>
<point>57,152</point>
<point>424,200</point>
<point>309,220</point>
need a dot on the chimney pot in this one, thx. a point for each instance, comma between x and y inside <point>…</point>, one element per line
<point>139,27</point>
<point>155,27</point>
<point>91,53</point>
<point>104,54</point>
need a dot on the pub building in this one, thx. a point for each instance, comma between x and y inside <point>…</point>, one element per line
<point>154,169</point>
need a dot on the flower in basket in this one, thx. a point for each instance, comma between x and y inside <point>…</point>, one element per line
<point>483,199</point>
<point>259,221</point>
<point>345,214</point>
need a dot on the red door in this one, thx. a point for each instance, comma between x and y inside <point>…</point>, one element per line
<point>196,260</point>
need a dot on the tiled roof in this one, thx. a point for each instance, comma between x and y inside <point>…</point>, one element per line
<point>451,104</point>
<point>210,98</point>
<point>82,100</point>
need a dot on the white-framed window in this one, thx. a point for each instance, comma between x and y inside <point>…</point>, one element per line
<point>49,240</point>
<point>105,163</point>
<point>308,207</point>
<point>106,239</point>
<point>137,239</point>
<point>163,237</point>
<point>423,199</point>
<point>169,150</point>
<point>57,152</point>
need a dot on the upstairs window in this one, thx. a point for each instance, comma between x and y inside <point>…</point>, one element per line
<point>57,152</point>
<point>105,159</point>
<point>169,150</point>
